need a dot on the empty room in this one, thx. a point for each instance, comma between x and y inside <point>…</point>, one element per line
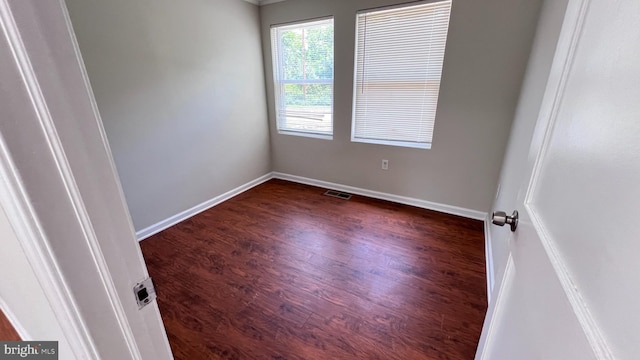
<point>319,179</point>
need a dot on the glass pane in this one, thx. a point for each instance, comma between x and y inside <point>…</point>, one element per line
<point>308,52</point>
<point>303,54</point>
<point>399,62</point>
<point>319,52</point>
<point>308,107</point>
<point>309,94</point>
<point>292,54</point>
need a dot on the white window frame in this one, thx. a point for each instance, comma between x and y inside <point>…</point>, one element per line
<point>358,61</point>
<point>278,82</point>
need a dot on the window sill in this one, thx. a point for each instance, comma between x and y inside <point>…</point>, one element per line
<point>305,134</point>
<point>425,146</point>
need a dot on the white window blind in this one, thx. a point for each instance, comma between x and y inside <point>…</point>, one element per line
<point>398,66</point>
<point>303,77</point>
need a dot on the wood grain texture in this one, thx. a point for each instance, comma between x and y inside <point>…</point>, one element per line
<point>7,331</point>
<point>284,272</point>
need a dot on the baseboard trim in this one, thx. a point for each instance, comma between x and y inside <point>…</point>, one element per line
<point>448,209</point>
<point>494,312</point>
<point>429,205</point>
<point>488,258</point>
<point>167,223</point>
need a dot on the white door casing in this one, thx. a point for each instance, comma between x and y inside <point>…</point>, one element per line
<point>21,296</point>
<point>514,164</point>
<point>61,193</point>
<point>571,283</point>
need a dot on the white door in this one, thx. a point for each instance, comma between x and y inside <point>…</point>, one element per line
<point>572,282</point>
<point>61,195</point>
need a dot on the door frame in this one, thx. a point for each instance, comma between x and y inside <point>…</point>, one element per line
<point>568,41</point>
<point>44,125</point>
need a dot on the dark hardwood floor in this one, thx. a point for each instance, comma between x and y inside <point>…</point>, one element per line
<point>7,331</point>
<point>284,272</point>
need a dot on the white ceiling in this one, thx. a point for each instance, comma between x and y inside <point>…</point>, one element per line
<point>263,2</point>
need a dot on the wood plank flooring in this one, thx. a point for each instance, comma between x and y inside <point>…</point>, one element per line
<point>7,331</point>
<point>284,272</point>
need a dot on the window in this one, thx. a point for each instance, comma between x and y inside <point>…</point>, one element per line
<point>398,65</point>
<point>303,78</point>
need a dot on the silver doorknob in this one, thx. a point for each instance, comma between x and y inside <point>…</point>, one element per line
<point>501,218</point>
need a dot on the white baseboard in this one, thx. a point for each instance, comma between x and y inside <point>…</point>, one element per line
<point>489,258</point>
<point>448,209</point>
<point>164,224</point>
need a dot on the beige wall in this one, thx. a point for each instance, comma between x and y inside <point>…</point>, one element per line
<point>179,86</point>
<point>488,45</point>
<point>181,93</point>
<point>515,159</point>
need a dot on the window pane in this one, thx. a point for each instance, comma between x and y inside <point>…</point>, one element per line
<point>319,53</point>
<point>308,107</point>
<point>399,58</point>
<point>303,77</point>
<point>292,54</point>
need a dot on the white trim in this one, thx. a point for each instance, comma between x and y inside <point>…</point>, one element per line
<point>563,61</point>
<point>80,208</point>
<point>97,116</point>
<point>13,319</point>
<point>409,144</point>
<point>306,134</point>
<point>493,313</point>
<point>55,144</point>
<point>83,214</point>
<point>263,2</point>
<point>267,2</point>
<point>184,215</point>
<point>488,252</point>
<point>424,204</point>
<point>587,321</point>
<point>22,216</point>
<point>29,232</point>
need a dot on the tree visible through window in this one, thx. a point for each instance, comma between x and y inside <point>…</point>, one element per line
<point>303,77</point>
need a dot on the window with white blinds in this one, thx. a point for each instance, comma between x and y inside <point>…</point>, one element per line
<point>398,66</point>
<point>303,77</point>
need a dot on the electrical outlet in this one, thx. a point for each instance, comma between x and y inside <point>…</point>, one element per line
<point>385,164</point>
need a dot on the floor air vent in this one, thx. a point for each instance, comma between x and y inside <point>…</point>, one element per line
<point>338,194</point>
